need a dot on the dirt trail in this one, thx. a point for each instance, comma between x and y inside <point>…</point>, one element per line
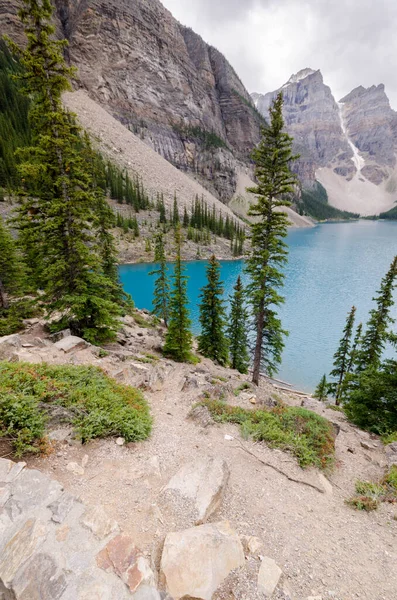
<point>324,548</point>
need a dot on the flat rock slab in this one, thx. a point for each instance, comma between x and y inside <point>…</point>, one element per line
<point>196,561</point>
<point>71,343</point>
<point>195,492</point>
<point>96,519</point>
<point>268,576</point>
<point>10,470</point>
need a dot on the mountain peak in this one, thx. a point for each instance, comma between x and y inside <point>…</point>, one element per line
<point>302,74</point>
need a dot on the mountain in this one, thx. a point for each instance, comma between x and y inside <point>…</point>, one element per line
<point>161,80</point>
<point>348,146</point>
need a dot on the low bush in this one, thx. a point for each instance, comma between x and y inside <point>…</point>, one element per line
<point>305,434</point>
<point>369,495</point>
<point>94,404</point>
<point>243,386</point>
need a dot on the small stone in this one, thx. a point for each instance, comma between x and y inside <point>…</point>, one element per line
<point>75,468</point>
<point>26,345</point>
<point>253,400</point>
<point>366,445</point>
<point>251,544</point>
<point>229,438</point>
<point>268,576</point>
<point>120,441</point>
<point>84,461</point>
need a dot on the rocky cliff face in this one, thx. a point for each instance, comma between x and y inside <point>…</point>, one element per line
<point>349,146</point>
<point>161,80</point>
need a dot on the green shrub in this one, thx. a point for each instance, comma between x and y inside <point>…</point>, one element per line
<point>369,495</point>
<point>243,386</point>
<point>94,404</point>
<point>305,434</point>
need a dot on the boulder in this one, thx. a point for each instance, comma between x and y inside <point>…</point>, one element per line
<point>391,453</point>
<point>9,344</point>
<point>251,544</point>
<point>71,343</point>
<point>196,561</point>
<point>197,488</point>
<point>123,558</point>
<point>59,335</point>
<point>201,415</point>
<point>9,470</point>
<point>268,576</point>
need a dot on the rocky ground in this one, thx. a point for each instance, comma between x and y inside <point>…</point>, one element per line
<point>271,529</point>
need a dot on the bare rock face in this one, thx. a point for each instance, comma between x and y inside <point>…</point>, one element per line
<point>372,126</point>
<point>312,118</point>
<point>161,80</point>
<point>354,139</point>
<point>196,561</point>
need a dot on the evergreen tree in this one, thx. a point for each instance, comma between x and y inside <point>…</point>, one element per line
<point>269,252</point>
<point>355,349</point>
<point>161,296</point>
<point>10,267</point>
<point>175,213</point>
<point>58,206</point>
<point>212,341</point>
<point>185,218</point>
<point>377,333</point>
<point>322,389</point>
<point>342,358</point>
<point>237,330</point>
<point>178,341</point>
<point>161,208</point>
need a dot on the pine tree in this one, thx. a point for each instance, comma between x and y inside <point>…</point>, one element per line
<point>58,206</point>
<point>10,267</point>
<point>377,333</point>
<point>342,358</point>
<point>185,218</point>
<point>161,296</point>
<point>212,341</point>
<point>237,330</point>
<point>175,213</point>
<point>269,252</point>
<point>178,341</point>
<point>322,389</point>
<point>355,349</point>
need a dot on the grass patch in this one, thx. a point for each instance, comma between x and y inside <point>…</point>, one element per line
<point>389,438</point>
<point>305,434</point>
<point>369,495</point>
<point>94,404</point>
<point>241,388</point>
<point>335,407</point>
<point>141,321</point>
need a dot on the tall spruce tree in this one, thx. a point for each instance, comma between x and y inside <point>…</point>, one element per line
<point>175,212</point>
<point>212,341</point>
<point>237,330</point>
<point>355,349</point>
<point>161,296</point>
<point>342,358</point>
<point>179,339</point>
<point>10,267</point>
<point>377,333</point>
<point>272,158</point>
<point>58,207</point>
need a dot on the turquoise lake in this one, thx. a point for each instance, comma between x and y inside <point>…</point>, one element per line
<point>331,267</point>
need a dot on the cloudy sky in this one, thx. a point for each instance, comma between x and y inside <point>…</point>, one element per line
<point>353,42</point>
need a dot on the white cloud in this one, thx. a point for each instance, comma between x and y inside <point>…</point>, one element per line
<point>353,42</point>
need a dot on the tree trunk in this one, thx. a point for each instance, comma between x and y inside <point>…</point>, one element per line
<point>3,296</point>
<point>258,345</point>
